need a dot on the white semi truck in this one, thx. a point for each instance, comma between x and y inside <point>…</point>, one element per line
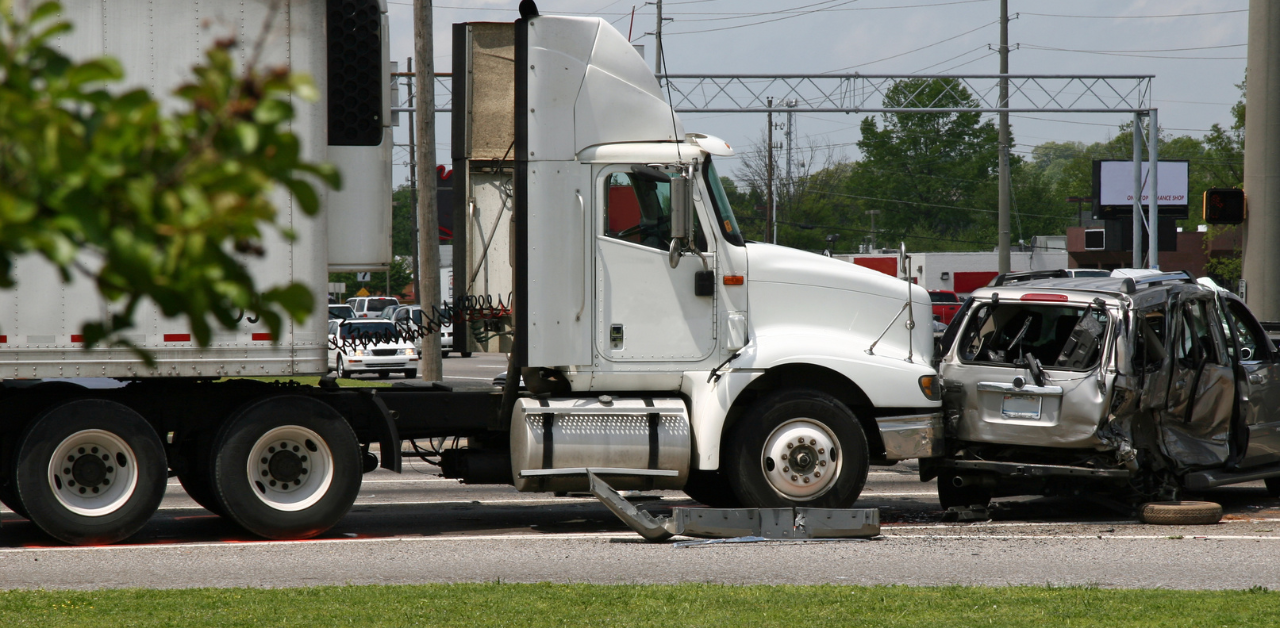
<point>659,347</point>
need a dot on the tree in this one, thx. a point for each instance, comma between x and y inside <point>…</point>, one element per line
<point>150,206</point>
<point>931,175</point>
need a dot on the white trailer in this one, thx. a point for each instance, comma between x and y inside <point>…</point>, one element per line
<point>659,348</point>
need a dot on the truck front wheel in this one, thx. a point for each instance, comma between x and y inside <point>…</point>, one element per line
<point>287,468</point>
<point>91,472</point>
<point>798,448</point>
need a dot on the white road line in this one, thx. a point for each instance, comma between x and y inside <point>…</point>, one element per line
<point>410,539</point>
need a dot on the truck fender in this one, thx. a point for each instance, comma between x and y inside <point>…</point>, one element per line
<point>384,426</point>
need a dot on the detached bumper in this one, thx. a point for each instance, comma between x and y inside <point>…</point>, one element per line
<point>912,436</point>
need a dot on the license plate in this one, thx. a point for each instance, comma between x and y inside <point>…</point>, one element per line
<point>1021,407</point>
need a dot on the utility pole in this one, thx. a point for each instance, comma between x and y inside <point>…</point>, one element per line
<point>791,122</point>
<point>873,213</point>
<point>770,230</point>
<point>657,34</point>
<point>428,219</point>
<point>413,185</point>
<point>1004,225</point>
<point>1262,136</point>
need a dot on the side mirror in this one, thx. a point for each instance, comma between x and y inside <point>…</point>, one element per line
<point>681,217</point>
<point>681,208</point>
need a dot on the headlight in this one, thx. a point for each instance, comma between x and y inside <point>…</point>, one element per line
<point>406,352</point>
<point>359,353</point>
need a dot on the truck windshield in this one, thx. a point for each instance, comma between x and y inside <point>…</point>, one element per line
<point>720,201</point>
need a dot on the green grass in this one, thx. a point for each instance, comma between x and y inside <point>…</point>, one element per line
<point>628,605</point>
<point>315,381</point>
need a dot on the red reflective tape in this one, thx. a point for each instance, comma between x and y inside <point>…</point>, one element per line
<point>266,337</point>
<point>177,337</point>
<point>4,339</point>
<point>1043,296</point>
<point>77,338</point>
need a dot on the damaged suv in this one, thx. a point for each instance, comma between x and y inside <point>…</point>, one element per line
<point>1127,389</point>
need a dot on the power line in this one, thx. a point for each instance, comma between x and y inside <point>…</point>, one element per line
<point>1135,17</point>
<point>943,41</point>
<point>769,21</point>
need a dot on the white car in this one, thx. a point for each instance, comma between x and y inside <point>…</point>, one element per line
<point>371,307</point>
<point>402,316</point>
<point>373,346</point>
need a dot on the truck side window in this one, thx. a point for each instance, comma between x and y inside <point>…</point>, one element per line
<point>637,207</point>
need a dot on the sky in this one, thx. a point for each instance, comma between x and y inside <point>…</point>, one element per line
<point>1195,49</point>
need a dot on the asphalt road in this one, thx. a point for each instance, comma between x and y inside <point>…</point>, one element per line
<point>418,527</point>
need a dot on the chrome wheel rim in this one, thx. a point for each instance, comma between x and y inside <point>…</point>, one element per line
<point>801,459</point>
<point>290,468</point>
<point>93,473</point>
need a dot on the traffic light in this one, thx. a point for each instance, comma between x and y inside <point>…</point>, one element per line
<point>1224,206</point>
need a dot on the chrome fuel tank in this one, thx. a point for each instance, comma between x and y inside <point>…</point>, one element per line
<point>640,443</point>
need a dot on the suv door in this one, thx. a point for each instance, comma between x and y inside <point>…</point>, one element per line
<point>1195,421</point>
<point>1259,383</point>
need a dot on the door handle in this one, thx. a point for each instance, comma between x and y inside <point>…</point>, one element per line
<point>1255,379</point>
<point>1180,384</point>
<point>582,219</point>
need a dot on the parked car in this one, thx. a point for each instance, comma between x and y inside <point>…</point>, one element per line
<point>371,307</point>
<point>370,346</point>
<point>341,312</point>
<point>1133,388</point>
<point>404,315</point>
<point>945,305</point>
<point>389,311</point>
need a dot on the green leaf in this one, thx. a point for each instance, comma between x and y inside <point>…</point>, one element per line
<point>101,69</point>
<point>305,194</point>
<point>272,111</point>
<point>248,135</point>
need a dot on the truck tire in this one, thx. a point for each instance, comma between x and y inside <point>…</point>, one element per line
<point>9,497</point>
<point>287,467</point>
<point>91,472</point>
<point>950,495</point>
<point>197,476</point>
<point>1181,513</point>
<point>770,467</point>
<point>1273,486</point>
<point>711,488</point>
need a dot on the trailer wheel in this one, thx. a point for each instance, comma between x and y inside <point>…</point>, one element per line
<point>287,467</point>
<point>197,477</point>
<point>91,471</point>
<point>798,448</point>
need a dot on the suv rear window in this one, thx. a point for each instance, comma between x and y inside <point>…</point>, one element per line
<point>377,305</point>
<point>1063,337</point>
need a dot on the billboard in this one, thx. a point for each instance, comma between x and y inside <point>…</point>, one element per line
<point>1113,188</point>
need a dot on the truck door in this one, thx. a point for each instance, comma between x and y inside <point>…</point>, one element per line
<point>1195,422</point>
<point>647,310</point>
<point>1259,384</point>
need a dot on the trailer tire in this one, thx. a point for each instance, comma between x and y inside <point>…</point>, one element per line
<point>197,477</point>
<point>287,467</point>
<point>1273,486</point>
<point>9,496</point>
<point>1181,513</point>
<point>762,478</point>
<point>711,488</point>
<point>113,454</point>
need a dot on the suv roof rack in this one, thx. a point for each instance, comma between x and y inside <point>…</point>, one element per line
<point>1028,275</point>
<point>1180,275</point>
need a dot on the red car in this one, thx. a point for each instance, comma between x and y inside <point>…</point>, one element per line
<point>945,305</point>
